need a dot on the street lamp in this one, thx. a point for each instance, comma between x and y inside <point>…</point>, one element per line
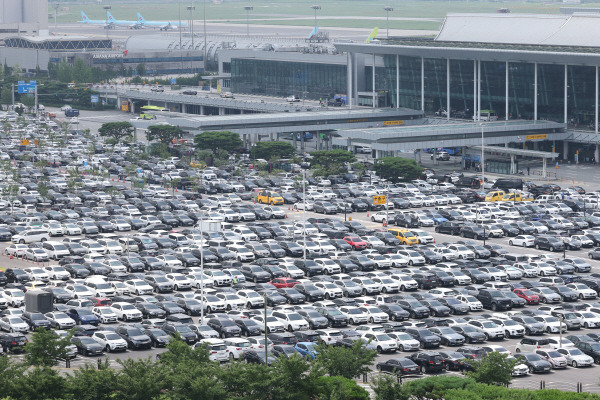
<point>303,215</point>
<point>56,5</point>
<point>315,7</point>
<point>248,9</point>
<point>106,8</point>
<point>387,18</point>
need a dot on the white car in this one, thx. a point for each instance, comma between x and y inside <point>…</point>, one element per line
<point>126,311</point>
<point>105,314</point>
<point>198,279</point>
<point>291,320</point>
<point>211,303</point>
<point>180,281</point>
<point>57,272</point>
<point>79,291</point>
<point>16,250</point>
<point>329,266</point>
<point>120,288</point>
<point>472,302</point>
<point>13,323</point>
<point>138,286</point>
<point>489,328</point>
<point>522,241</point>
<point>551,324</point>
<point>406,282</point>
<point>576,358</point>
<point>273,324</point>
<point>588,319</point>
<point>14,297</point>
<point>382,340</point>
<point>404,342</point>
<point>387,285</point>
<point>252,298</point>
<point>71,229</point>
<point>218,350</point>
<point>232,301</point>
<point>375,315</point>
<point>60,320</point>
<point>37,274</point>
<point>443,292</point>
<point>237,347</point>
<point>354,315</point>
<point>582,290</point>
<point>110,341</point>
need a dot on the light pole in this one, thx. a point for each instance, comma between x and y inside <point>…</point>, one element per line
<point>315,7</point>
<point>482,161</point>
<point>201,267</point>
<point>56,5</point>
<point>191,10</point>
<point>106,8</point>
<point>304,215</point>
<point>204,58</point>
<point>248,9</point>
<point>387,18</point>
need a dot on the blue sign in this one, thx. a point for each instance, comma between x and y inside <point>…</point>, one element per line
<point>94,98</point>
<point>27,87</point>
<point>173,81</point>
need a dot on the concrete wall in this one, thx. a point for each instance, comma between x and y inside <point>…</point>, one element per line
<point>27,59</point>
<point>24,16</point>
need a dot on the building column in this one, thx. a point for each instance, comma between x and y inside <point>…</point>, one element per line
<point>349,79</point>
<point>536,145</point>
<point>544,163</point>
<point>506,95</point>
<point>373,77</point>
<point>221,110</point>
<point>354,80</point>
<point>271,136</point>
<point>597,154</point>
<point>318,140</point>
<point>202,110</point>
<point>183,108</point>
<point>565,93</point>
<point>349,145</point>
<point>512,164</point>
<point>422,84</point>
<point>419,155</point>
<point>535,92</point>
<point>565,150</point>
<point>474,89</point>
<point>596,109</point>
<point>242,111</point>
<point>506,144</point>
<point>397,82</point>
<point>478,90</point>
<point>448,89</point>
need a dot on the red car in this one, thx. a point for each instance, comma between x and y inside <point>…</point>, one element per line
<point>281,283</point>
<point>356,242</point>
<point>101,301</point>
<point>528,295</point>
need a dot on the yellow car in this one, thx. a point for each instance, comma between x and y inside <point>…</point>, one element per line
<point>495,195</point>
<point>515,197</point>
<point>268,197</point>
<point>405,236</point>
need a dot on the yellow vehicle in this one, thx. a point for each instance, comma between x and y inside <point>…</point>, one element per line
<point>515,197</point>
<point>495,195</point>
<point>268,197</point>
<point>405,236</point>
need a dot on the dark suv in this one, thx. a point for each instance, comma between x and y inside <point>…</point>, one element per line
<point>428,361</point>
<point>494,299</point>
<point>548,243</point>
<point>426,338</point>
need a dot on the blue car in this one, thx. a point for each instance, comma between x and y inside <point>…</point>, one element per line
<point>437,218</point>
<point>83,316</point>
<point>306,349</point>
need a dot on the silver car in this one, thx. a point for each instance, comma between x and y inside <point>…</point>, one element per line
<point>576,358</point>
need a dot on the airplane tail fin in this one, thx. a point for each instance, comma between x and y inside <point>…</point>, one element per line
<point>373,35</point>
<point>140,19</point>
<point>84,17</point>
<point>109,16</point>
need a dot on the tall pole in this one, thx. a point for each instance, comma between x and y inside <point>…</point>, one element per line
<point>482,161</point>
<point>315,8</point>
<point>56,5</point>
<point>201,268</point>
<point>304,215</point>
<point>204,58</point>
<point>266,337</point>
<point>106,8</point>
<point>248,9</point>
<point>180,49</point>
<point>387,18</point>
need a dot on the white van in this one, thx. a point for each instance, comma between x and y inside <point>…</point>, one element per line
<point>56,250</point>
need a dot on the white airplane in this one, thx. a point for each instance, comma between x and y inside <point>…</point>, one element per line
<point>164,25</point>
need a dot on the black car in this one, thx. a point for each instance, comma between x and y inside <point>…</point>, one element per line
<point>455,361</point>
<point>13,342</point>
<point>158,337</point>
<point>592,349</point>
<point>248,327</point>
<point>414,308</point>
<point>134,337</point>
<point>87,346</point>
<point>548,243</point>
<point>449,227</point>
<point>258,357</point>
<point>565,292</point>
<point>436,308</point>
<point>282,338</point>
<point>310,292</point>
<point>426,338</point>
<point>428,361</point>
<point>283,350</point>
<point>184,331</point>
<point>151,310</point>
<point>394,311</point>
<point>291,295</point>
<point>188,260</point>
<point>224,327</point>
<point>35,320</point>
<point>456,307</point>
<point>334,317</point>
<point>16,275</point>
<point>426,280</point>
<point>399,366</point>
<point>170,307</point>
<point>470,333</point>
<point>315,319</point>
<point>535,363</point>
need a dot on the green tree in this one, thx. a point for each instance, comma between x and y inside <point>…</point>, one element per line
<point>215,141</point>
<point>346,362</point>
<point>45,349</point>
<point>141,69</point>
<point>40,383</point>
<point>28,100</point>
<point>387,387</point>
<point>81,72</point>
<point>493,368</point>
<point>64,72</point>
<point>116,130</point>
<point>89,383</point>
<point>396,169</point>
<point>140,379</point>
<point>338,388</point>
<point>163,133</point>
<point>331,162</point>
<point>6,95</point>
<point>10,372</point>
<point>272,150</point>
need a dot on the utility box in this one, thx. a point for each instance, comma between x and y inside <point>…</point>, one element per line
<point>37,300</point>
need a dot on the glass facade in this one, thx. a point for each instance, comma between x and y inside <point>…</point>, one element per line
<point>280,78</point>
<point>521,88</point>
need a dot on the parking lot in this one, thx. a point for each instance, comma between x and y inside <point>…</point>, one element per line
<point>95,239</point>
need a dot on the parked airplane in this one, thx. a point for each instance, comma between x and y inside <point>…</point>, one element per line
<point>164,25</point>
<point>86,20</point>
<point>114,22</point>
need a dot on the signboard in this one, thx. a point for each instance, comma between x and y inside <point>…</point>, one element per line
<point>379,200</point>
<point>174,81</point>
<point>27,87</point>
<point>94,98</point>
<point>24,142</point>
<point>219,87</point>
<point>124,105</point>
<point>536,137</point>
<point>389,123</point>
<point>107,55</point>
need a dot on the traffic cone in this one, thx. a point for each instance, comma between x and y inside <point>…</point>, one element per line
<point>384,223</point>
<point>367,213</point>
